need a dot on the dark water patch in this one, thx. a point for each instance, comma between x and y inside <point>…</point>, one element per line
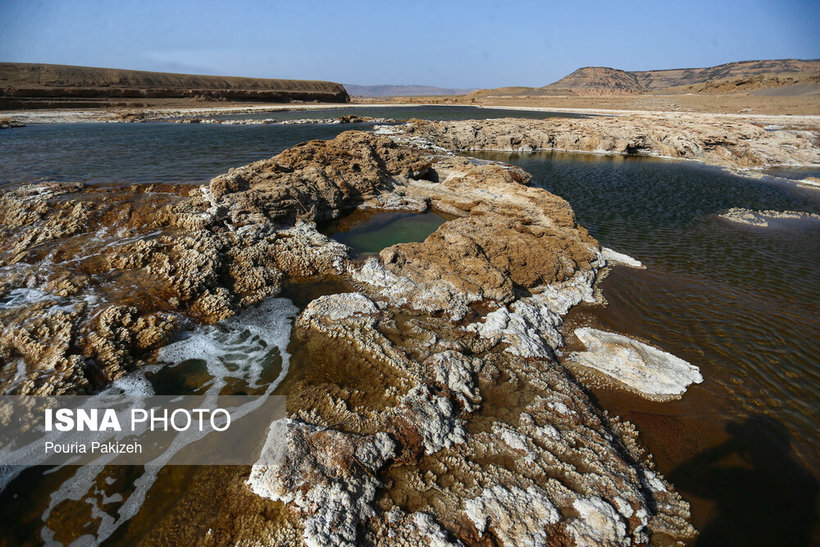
<point>368,232</point>
<point>442,112</point>
<point>123,153</point>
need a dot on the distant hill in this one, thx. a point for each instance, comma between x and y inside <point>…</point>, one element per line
<point>401,90</point>
<point>797,75</point>
<point>23,84</point>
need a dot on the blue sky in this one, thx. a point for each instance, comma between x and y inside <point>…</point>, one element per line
<point>448,44</point>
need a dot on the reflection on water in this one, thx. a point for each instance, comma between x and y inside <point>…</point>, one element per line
<point>740,302</point>
<point>368,232</point>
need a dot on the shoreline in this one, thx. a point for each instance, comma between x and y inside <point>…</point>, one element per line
<point>807,124</point>
<point>411,325</point>
<point>36,116</point>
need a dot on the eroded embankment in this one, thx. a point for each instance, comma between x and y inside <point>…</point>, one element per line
<point>734,144</point>
<point>438,411</point>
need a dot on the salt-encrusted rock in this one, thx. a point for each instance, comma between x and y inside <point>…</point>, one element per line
<point>735,144</point>
<point>456,372</point>
<point>409,530</point>
<point>518,517</point>
<point>619,258</point>
<point>648,371</point>
<point>434,417</point>
<point>529,326</point>
<point>410,399</point>
<point>597,523</point>
<point>326,474</point>
<point>762,218</point>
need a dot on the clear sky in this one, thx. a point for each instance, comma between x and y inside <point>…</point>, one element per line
<point>447,44</point>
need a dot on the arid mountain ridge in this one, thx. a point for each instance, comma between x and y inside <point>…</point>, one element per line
<point>401,90</point>
<point>747,76</point>
<point>29,85</point>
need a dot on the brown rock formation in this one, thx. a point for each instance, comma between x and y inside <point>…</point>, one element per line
<point>26,85</point>
<point>430,403</point>
<point>599,80</point>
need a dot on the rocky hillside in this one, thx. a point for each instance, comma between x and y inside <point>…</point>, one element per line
<point>401,90</point>
<point>597,79</point>
<point>25,85</point>
<point>731,77</point>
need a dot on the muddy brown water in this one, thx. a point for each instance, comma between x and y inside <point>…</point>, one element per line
<point>740,302</point>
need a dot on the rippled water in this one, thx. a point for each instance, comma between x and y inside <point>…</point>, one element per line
<point>119,153</point>
<point>741,302</point>
<point>403,113</point>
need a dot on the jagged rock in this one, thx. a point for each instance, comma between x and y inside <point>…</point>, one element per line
<point>327,474</point>
<point>518,517</point>
<point>317,180</point>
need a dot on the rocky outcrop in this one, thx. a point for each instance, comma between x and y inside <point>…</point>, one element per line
<point>733,144</point>
<point>430,404</point>
<point>9,124</point>
<point>496,448</point>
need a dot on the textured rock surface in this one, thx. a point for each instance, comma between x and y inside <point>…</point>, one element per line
<point>734,144</point>
<point>428,405</point>
<point>448,348</point>
<point>645,370</point>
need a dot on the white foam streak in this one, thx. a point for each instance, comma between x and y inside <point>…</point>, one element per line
<point>245,340</point>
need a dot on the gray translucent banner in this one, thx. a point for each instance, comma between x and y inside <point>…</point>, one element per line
<point>136,430</point>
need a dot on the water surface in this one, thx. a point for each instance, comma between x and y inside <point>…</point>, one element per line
<point>426,112</point>
<point>368,232</point>
<point>740,302</point>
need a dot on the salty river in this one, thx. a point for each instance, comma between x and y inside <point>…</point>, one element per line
<point>740,302</point>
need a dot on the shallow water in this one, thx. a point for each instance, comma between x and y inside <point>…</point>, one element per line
<point>403,113</point>
<point>164,152</point>
<point>123,153</point>
<point>740,302</point>
<point>367,233</point>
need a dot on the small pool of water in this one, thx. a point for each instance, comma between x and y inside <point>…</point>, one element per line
<point>368,232</point>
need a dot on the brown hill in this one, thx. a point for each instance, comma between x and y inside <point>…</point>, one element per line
<point>797,75</point>
<point>597,79</point>
<point>30,85</point>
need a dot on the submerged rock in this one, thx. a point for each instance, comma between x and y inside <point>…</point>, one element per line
<point>648,371</point>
